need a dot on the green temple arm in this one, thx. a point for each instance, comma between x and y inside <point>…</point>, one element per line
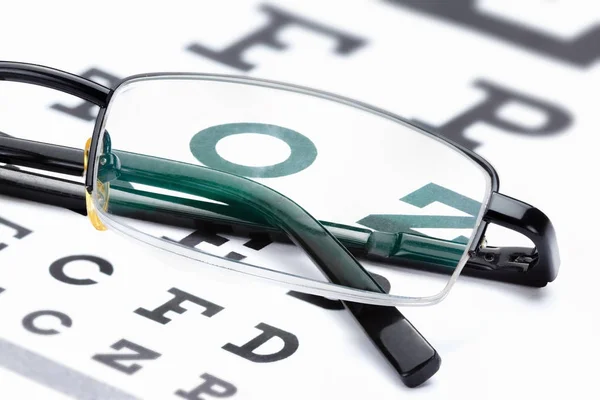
<point>258,202</point>
<point>236,211</point>
<point>188,213</point>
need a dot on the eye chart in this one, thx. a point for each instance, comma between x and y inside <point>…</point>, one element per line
<point>91,315</point>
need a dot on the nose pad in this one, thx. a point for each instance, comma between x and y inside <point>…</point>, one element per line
<point>101,191</point>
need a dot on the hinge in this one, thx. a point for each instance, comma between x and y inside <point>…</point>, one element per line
<point>504,258</point>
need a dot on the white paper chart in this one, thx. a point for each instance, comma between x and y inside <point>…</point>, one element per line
<point>89,315</point>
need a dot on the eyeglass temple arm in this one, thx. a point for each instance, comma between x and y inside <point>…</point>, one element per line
<point>544,260</point>
<point>399,341</point>
<point>541,262</point>
<point>529,266</point>
<point>361,242</point>
<point>405,348</point>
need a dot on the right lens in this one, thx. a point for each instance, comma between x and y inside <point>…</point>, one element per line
<point>386,190</point>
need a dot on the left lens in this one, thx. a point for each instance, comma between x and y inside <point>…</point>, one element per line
<point>386,190</point>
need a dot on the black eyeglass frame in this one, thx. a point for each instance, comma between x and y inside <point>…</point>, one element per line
<point>502,210</point>
<point>526,266</point>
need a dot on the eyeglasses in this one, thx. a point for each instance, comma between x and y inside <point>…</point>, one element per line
<point>339,179</point>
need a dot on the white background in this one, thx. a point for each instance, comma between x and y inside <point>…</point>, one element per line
<point>496,340</point>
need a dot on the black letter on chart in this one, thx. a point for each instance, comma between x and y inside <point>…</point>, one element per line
<point>290,345</point>
<point>557,119</point>
<point>582,50</point>
<point>158,314</point>
<point>29,321</point>
<point>20,232</point>
<point>211,386</point>
<point>57,269</point>
<point>232,55</point>
<point>140,354</point>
